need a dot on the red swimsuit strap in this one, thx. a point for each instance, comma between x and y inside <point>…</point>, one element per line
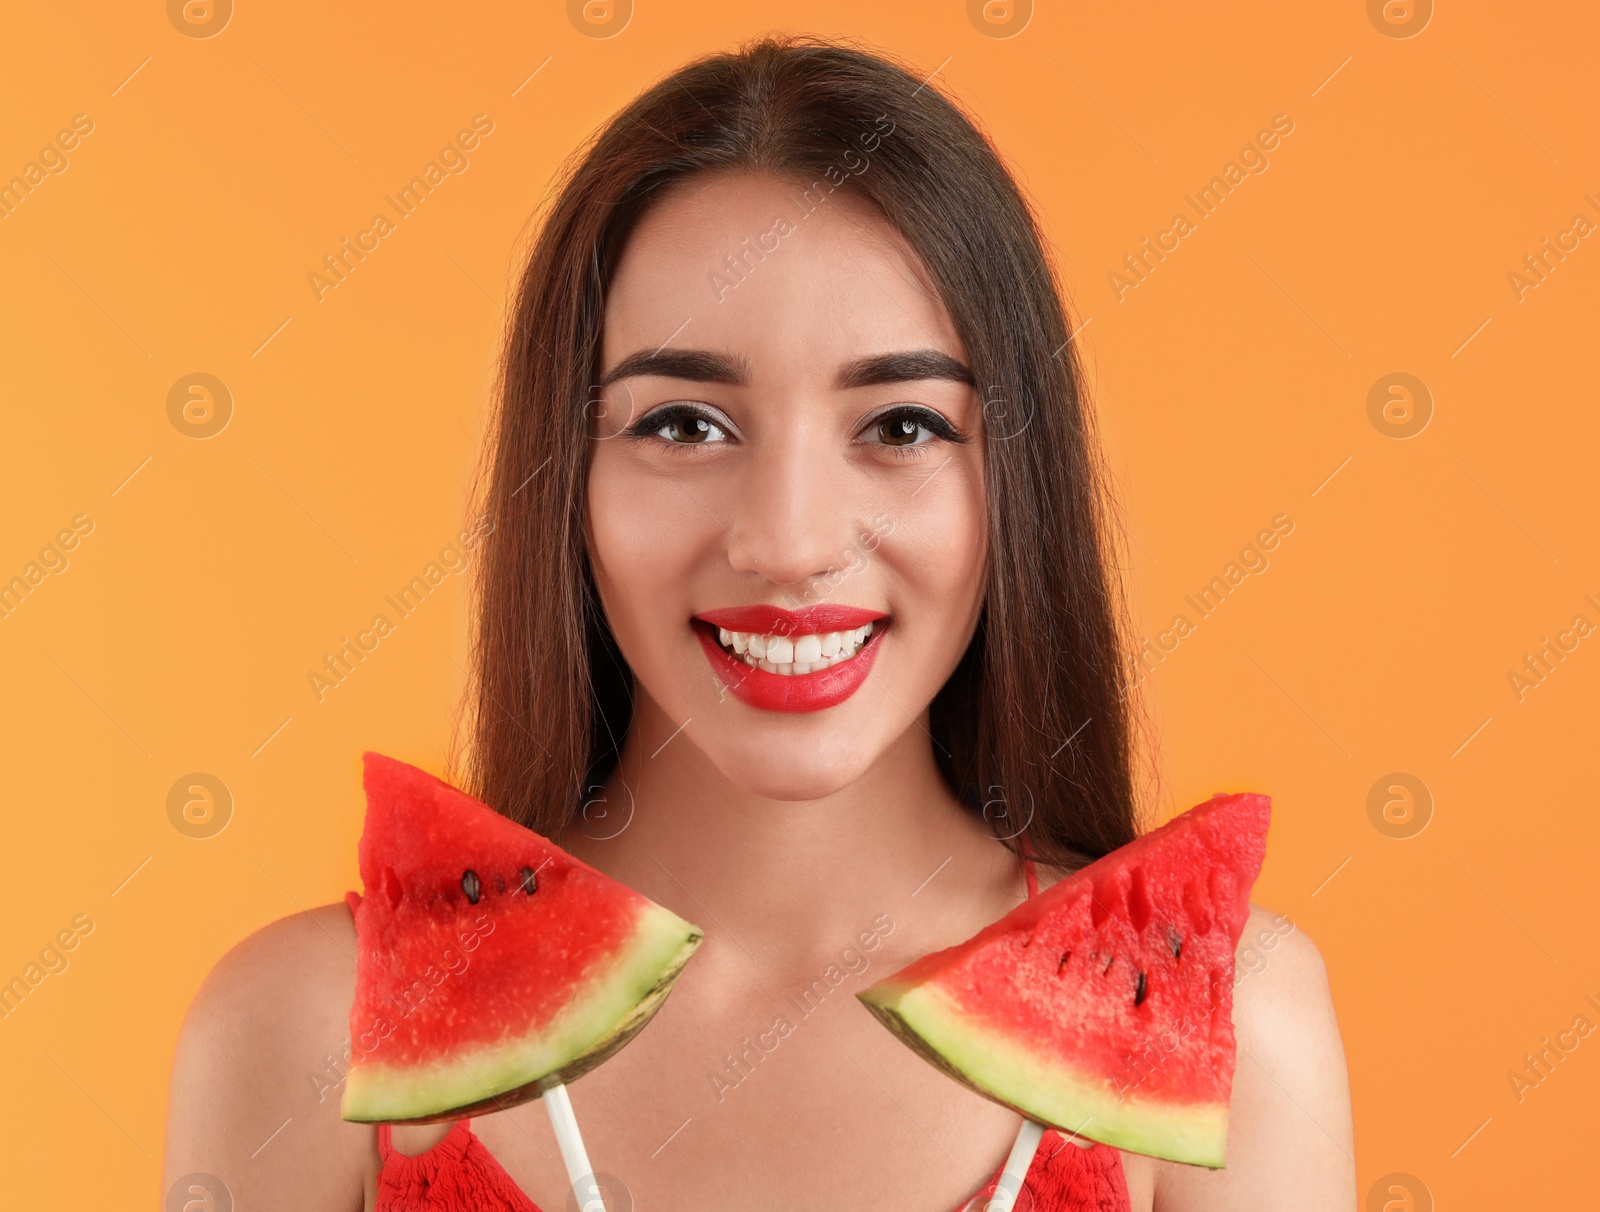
<point>1027,867</point>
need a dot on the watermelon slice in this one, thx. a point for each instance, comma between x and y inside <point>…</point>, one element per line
<point>1104,1005</point>
<point>491,965</point>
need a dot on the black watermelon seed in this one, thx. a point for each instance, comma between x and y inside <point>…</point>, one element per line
<point>1138,997</point>
<point>471,886</point>
<point>1106,967</point>
<point>1062,966</point>
<point>1174,942</point>
<point>530,882</point>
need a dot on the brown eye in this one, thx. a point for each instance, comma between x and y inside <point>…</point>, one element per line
<point>910,425</point>
<point>683,427</point>
<point>687,429</point>
<point>898,431</point>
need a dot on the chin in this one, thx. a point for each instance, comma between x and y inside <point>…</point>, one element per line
<point>772,774</point>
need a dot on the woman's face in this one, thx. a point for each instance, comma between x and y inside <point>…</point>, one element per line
<point>785,503</point>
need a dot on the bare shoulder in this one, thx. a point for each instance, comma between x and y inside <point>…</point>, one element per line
<point>1275,949</point>
<point>1290,1136</point>
<point>258,1072</point>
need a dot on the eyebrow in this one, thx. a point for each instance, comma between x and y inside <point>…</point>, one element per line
<point>694,365</point>
<point>905,367</point>
<point>704,366</point>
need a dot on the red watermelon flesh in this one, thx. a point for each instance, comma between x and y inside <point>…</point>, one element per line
<point>1104,1005</point>
<point>490,963</point>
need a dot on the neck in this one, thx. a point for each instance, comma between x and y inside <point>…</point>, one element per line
<point>785,881</point>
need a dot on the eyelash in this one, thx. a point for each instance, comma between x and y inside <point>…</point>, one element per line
<point>927,419</point>
<point>653,422</point>
<point>657,419</point>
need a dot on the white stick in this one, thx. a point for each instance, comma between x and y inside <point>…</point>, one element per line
<point>1010,1184</point>
<point>573,1153</point>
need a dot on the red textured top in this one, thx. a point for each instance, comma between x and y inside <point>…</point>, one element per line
<point>460,1175</point>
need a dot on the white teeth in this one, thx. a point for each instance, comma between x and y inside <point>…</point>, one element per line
<point>792,655</point>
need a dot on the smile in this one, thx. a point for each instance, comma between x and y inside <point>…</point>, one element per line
<point>791,660</point>
<point>791,655</point>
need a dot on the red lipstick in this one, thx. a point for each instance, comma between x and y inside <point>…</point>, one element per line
<point>775,620</point>
<point>798,692</point>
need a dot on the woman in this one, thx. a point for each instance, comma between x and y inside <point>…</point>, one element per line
<point>799,581</point>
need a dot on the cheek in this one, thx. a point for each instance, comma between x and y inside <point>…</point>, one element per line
<point>937,551</point>
<point>645,535</point>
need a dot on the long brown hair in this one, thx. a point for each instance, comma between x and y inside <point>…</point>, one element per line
<point>1033,729</point>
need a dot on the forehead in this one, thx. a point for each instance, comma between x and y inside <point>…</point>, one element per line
<point>764,268</point>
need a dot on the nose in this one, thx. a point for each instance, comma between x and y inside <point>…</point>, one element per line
<point>793,520</point>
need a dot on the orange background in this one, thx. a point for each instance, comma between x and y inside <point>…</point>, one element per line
<point>1232,384</point>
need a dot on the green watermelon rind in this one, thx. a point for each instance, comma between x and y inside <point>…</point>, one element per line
<point>604,1016</point>
<point>1042,1088</point>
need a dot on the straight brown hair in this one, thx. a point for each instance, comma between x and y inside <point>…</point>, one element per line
<point>1033,730</point>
